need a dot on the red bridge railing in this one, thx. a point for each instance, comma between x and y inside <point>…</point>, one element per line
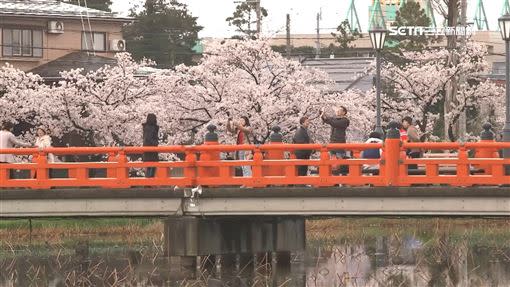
<point>271,165</point>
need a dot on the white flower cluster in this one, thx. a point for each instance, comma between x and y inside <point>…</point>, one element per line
<point>234,78</point>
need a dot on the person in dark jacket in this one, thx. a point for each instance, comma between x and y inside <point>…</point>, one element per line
<point>150,138</point>
<point>302,137</point>
<point>374,137</point>
<point>339,125</point>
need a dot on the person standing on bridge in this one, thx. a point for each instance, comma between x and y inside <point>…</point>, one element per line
<point>339,125</point>
<point>375,153</point>
<point>403,133</point>
<point>8,140</point>
<point>302,137</point>
<point>243,132</point>
<point>413,137</point>
<point>150,138</point>
<point>43,140</point>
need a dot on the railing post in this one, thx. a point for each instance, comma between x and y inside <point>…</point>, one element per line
<point>3,173</point>
<point>111,169</point>
<point>391,162</point>
<point>257,179</point>
<point>42,170</point>
<point>34,161</point>
<point>190,171</point>
<point>211,138</point>
<point>462,167</point>
<point>122,172</point>
<point>111,172</point>
<point>324,168</point>
<point>276,138</point>
<point>486,136</point>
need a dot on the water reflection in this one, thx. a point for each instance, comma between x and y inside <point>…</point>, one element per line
<point>411,261</point>
<point>388,257</point>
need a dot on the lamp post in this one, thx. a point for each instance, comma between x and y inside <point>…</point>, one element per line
<point>504,26</point>
<point>378,36</point>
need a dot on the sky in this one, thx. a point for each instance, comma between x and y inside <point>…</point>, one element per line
<point>212,13</point>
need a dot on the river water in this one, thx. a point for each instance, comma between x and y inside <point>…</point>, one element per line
<point>339,252</point>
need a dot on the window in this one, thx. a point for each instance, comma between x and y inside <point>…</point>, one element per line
<point>93,41</point>
<point>498,68</point>
<point>22,43</point>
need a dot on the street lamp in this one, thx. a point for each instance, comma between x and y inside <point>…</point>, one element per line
<point>378,36</point>
<point>504,26</point>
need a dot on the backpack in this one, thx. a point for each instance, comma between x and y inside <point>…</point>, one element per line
<point>371,153</point>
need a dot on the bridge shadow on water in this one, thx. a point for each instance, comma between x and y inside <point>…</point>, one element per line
<point>339,252</point>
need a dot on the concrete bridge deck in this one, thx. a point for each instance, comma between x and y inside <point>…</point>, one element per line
<point>288,201</point>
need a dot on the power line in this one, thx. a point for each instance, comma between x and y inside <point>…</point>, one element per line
<point>17,58</point>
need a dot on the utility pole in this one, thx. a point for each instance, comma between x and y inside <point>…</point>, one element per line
<point>451,87</point>
<point>288,50</point>
<point>318,50</point>
<point>462,128</point>
<point>259,19</point>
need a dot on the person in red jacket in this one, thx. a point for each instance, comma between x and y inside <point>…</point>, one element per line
<point>403,133</point>
<point>244,133</point>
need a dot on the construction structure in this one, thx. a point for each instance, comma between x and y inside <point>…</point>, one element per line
<point>481,17</point>
<point>429,11</point>
<point>382,13</point>
<point>352,18</point>
<point>378,17</point>
<point>506,8</point>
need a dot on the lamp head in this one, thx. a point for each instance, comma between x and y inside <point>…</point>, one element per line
<point>378,37</point>
<point>504,26</point>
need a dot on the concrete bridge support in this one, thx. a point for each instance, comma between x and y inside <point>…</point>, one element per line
<point>234,241</point>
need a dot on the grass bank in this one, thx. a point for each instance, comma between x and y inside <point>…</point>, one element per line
<point>60,231</point>
<point>131,230</point>
<point>485,231</point>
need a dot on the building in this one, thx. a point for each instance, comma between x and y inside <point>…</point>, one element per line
<point>349,72</point>
<point>49,36</point>
<point>389,8</point>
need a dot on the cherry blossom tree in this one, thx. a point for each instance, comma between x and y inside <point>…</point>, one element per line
<point>247,78</point>
<point>235,78</point>
<point>420,84</point>
<point>105,107</point>
<point>16,88</point>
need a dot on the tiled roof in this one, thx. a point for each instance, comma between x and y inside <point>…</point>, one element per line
<point>75,60</point>
<point>83,60</point>
<point>51,8</point>
<point>347,73</point>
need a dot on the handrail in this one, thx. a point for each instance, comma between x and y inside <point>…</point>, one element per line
<point>271,164</point>
<point>456,145</point>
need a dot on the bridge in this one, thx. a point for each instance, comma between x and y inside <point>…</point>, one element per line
<point>210,209</point>
<point>457,179</point>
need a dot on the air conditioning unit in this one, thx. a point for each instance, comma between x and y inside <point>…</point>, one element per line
<point>55,27</point>
<point>118,45</point>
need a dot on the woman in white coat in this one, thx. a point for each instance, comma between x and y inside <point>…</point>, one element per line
<point>43,140</point>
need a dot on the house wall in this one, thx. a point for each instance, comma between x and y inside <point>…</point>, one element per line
<point>58,45</point>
